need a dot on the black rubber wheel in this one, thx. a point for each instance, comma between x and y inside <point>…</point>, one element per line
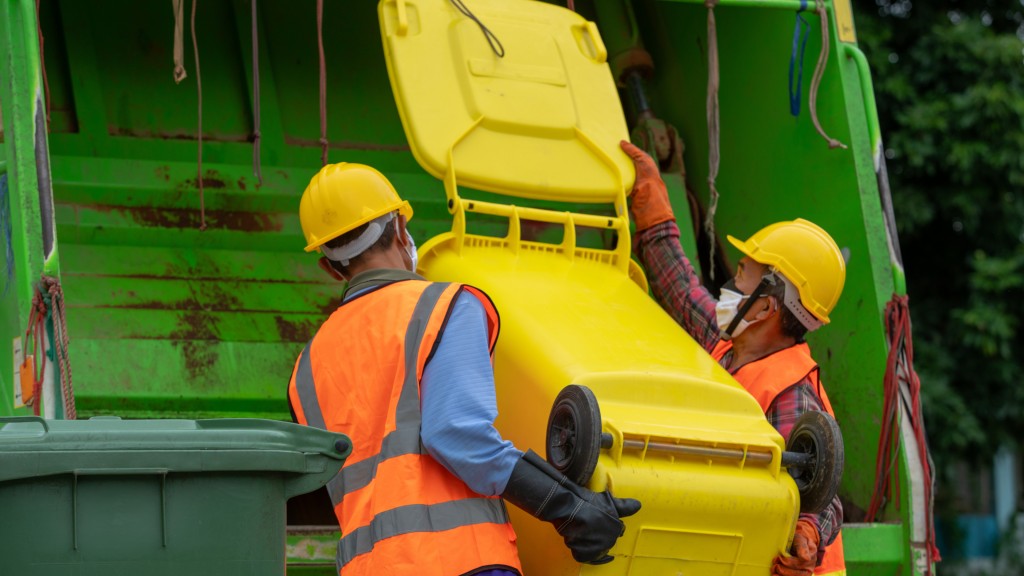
<point>574,433</point>
<point>817,433</point>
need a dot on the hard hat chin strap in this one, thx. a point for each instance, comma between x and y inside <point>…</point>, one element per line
<point>344,254</point>
<point>742,312</point>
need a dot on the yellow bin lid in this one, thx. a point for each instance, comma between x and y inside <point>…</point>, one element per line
<point>542,122</point>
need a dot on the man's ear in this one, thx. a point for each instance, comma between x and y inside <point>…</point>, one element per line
<point>400,224</point>
<point>771,307</point>
<point>325,265</point>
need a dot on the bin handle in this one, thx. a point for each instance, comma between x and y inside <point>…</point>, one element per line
<point>403,18</point>
<point>597,51</point>
<point>36,419</point>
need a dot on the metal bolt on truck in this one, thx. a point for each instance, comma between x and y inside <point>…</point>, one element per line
<point>153,155</point>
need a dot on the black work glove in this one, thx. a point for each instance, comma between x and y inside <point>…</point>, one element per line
<point>588,521</point>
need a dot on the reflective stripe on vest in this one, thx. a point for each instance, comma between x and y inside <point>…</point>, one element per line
<point>419,518</point>
<point>768,377</point>
<point>444,509</point>
<point>307,391</point>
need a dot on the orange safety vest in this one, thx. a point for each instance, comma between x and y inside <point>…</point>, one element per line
<point>400,511</point>
<point>768,377</point>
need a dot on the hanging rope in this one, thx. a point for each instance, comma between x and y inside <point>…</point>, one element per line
<point>492,40</point>
<point>323,81</point>
<point>179,41</point>
<point>42,65</point>
<point>902,383</point>
<point>256,97</point>
<point>199,130</point>
<point>62,341</point>
<point>48,304</point>
<point>713,130</point>
<point>888,442</point>
<point>819,71</point>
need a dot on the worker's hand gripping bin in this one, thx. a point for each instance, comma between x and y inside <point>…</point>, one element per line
<point>589,370</point>
<point>107,496</point>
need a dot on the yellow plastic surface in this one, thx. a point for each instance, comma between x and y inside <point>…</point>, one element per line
<point>542,122</point>
<point>568,318</point>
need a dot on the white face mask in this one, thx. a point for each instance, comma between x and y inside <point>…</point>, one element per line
<point>727,308</point>
<point>725,311</point>
<point>410,249</point>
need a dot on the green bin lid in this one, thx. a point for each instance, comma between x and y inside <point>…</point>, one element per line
<point>32,447</point>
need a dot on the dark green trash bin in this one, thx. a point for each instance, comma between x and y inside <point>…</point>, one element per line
<point>154,497</point>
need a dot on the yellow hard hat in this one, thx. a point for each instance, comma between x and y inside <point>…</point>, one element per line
<point>807,256</point>
<point>341,197</point>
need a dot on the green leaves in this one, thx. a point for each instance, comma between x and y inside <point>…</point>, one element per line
<point>949,81</point>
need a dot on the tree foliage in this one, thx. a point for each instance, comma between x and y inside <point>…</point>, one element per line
<point>949,83</point>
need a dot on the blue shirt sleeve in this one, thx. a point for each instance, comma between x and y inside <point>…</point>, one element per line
<point>459,405</point>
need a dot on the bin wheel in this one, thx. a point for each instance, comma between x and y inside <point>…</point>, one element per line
<point>574,433</point>
<point>817,434</point>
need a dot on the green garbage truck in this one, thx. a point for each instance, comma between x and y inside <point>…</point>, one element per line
<point>153,156</point>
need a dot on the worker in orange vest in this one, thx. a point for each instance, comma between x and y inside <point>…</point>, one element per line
<point>403,367</point>
<point>786,285</point>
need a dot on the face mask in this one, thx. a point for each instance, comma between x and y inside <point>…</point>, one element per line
<point>727,308</point>
<point>410,249</point>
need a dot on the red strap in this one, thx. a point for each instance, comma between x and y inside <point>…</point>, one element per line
<point>900,372</point>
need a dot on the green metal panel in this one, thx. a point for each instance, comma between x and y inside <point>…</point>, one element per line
<point>874,549</point>
<point>167,320</point>
<point>164,319</point>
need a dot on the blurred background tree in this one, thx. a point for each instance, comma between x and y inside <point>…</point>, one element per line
<point>949,83</point>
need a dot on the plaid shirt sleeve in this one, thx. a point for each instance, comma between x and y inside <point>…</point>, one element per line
<point>675,284</point>
<point>783,413</point>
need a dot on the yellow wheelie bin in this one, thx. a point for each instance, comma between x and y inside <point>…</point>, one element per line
<point>590,372</point>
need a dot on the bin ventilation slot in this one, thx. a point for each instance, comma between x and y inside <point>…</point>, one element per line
<point>734,453</point>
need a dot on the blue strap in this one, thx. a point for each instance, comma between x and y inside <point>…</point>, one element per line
<point>800,36</point>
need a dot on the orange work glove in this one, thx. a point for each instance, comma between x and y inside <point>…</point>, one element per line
<point>804,553</point>
<point>649,200</point>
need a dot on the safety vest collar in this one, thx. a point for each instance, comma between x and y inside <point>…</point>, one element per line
<point>724,347</point>
<point>378,278</point>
